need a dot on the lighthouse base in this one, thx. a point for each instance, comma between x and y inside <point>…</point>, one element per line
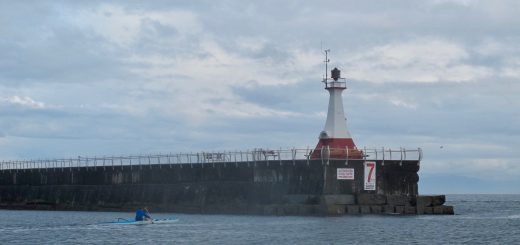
<point>336,148</point>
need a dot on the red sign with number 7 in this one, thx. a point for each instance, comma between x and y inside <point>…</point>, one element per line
<point>370,176</point>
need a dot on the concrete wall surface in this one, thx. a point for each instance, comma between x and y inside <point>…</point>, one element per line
<point>287,187</point>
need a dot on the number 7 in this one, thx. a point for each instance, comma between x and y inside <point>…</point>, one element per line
<point>371,166</point>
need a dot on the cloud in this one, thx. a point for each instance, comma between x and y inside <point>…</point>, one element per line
<point>511,69</point>
<point>458,2</point>
<point>400,102</point>
<point>124,27</point>
<point>215,74</point>
<point>23,101</point>
<point>420,60</point>
<point>125,77</point>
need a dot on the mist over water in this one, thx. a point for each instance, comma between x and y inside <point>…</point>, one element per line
<point>478,219</point>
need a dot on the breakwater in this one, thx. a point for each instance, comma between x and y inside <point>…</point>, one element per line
<point>256,182</point>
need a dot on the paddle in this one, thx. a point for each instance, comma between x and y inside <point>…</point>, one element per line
<point>146,210</point>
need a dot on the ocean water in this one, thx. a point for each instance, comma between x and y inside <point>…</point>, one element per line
<point>486,219</point>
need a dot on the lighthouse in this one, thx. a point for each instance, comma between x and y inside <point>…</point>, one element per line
<point>335,140</point>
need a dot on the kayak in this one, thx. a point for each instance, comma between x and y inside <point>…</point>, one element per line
<point>121,221</point>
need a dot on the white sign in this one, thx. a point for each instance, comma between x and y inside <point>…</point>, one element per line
<point>370,176</point>
<point>345,173</point>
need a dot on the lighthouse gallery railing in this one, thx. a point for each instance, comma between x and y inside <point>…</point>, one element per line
<point>254,155</point>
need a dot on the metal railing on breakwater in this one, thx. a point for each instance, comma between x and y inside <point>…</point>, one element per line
<point>254,155</point>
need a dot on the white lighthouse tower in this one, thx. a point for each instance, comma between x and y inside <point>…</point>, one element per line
<point>335,138</point>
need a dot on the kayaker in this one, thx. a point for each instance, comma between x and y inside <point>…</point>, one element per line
<point>142,214</point>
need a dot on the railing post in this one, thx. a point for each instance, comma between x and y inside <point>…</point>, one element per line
<point>321,154</point>
<point>308,155</point>
<point>266,157</point>
<point>346,160</point>
<point>383,163</point>
<point>293,156</point>
<point>280,156</point>
<point>401,162</point>
<point>254,157</point>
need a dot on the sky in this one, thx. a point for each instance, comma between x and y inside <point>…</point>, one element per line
<point>92,78</point>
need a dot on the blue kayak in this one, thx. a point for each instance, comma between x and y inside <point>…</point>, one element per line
<point>121,221</point>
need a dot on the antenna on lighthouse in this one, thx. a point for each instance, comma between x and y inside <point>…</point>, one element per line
<point>326,65</point>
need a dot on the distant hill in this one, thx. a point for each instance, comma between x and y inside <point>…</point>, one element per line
<point>456,184</point>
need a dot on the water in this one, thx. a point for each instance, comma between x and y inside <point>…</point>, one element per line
<point>480,219</point>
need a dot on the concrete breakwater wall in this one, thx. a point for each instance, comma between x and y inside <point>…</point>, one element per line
<point>285,187</point>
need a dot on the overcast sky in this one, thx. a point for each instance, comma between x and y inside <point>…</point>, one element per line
<point>125,77</point>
